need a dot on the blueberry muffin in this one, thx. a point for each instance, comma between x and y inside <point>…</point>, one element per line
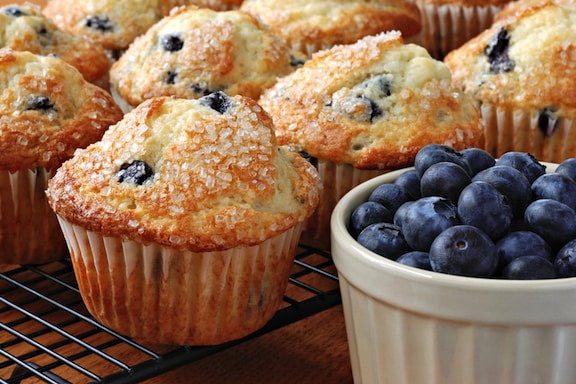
<point>196,51</point>
<point>194,212</point>
<point>47,111</point>
<point>115,24</point>
<point>447,24</point>
<point>521,73</point>
<point>25,28</point>
<point>362,109</point>
<point>309,26</point>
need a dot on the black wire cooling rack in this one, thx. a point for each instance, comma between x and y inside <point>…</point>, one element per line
<point>47,335</point>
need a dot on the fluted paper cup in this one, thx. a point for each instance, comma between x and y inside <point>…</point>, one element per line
<point>165,296</point>
<point>29,232</point>
<point>337,180</point>
<point>448,26</point>
<point>509,129</point>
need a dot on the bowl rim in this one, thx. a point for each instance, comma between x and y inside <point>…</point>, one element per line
<point>346,251</point>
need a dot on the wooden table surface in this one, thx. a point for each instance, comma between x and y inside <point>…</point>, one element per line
<point>311,351</point>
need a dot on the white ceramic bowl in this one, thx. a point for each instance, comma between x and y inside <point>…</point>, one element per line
<point>411,326</point>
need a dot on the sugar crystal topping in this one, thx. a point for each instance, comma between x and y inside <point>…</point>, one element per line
<point>216,176</point>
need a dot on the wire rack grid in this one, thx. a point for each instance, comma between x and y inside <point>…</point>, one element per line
<point>47,335</point>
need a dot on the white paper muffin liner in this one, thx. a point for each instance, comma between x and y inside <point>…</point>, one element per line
<point>446,27</point>
<point>30,233</point>
<point>337,180</point>
<point>160,295</point>
<point>507,129</point>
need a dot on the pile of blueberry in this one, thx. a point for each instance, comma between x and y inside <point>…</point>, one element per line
<point>466,213</point>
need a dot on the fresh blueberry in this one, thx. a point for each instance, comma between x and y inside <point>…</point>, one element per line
<point>464,250</point>
<point>481,205</point>
<point>171,43</point>
<point>529,267</point>
<point>99,23</point>
<point>511,183</point>
<point>384,239</point>
<point>42,103</point>
<point>218,101</point>
<point>425,218</point>
<point>548,121</point>
<point>555,186</point>
<point>565,262</point>
<point>409,181</point>
<point>553,220</point>
<point>391,196</point>
<point>416,259</point>
<point>444,179</point>
<point>401,213</point>
<point>135,172</point>
<point>524,162</point>
<point>368,213</point>
<point>435,153</point>
<point>478,158</point>
<point>568,168</point>
<point>497,52</point>
<point>521,243</point>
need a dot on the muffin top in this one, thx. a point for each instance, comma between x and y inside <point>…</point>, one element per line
<point>465,3</point>
<point>25,28</point>
<point>199,174</point>
<point>47,110</point>
<point>116,23</point>
<point>525,60</point>
<point>372,104</point>
<point>111,23</point>
<point>196,51</point>
<point>217,5</point>
<point>324,23</point>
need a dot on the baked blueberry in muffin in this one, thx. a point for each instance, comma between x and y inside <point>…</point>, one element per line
<point>48,110</point>
<point>114,24</point>
<point>195,52</point>
<point>497,52</point>
<point>198,202</point>
<point>366,108</point>
<point>25,28</point>
<point>521,74</point>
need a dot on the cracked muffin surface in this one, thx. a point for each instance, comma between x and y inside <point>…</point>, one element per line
<point>202,174</point>
<point>372,104</point>
<point>197,51</point>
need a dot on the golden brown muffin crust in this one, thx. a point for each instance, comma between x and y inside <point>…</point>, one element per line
<point>111,23</point>
<point>116,23</point>
<point>195,51</point>
<point>465,3</point>
<point>25,28</point>
<point>540,49</point>
<point>218,179</point>
<point>217,5</point>
<point>47,110</point>
<point>334,22</point>
<point>372,104</point>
